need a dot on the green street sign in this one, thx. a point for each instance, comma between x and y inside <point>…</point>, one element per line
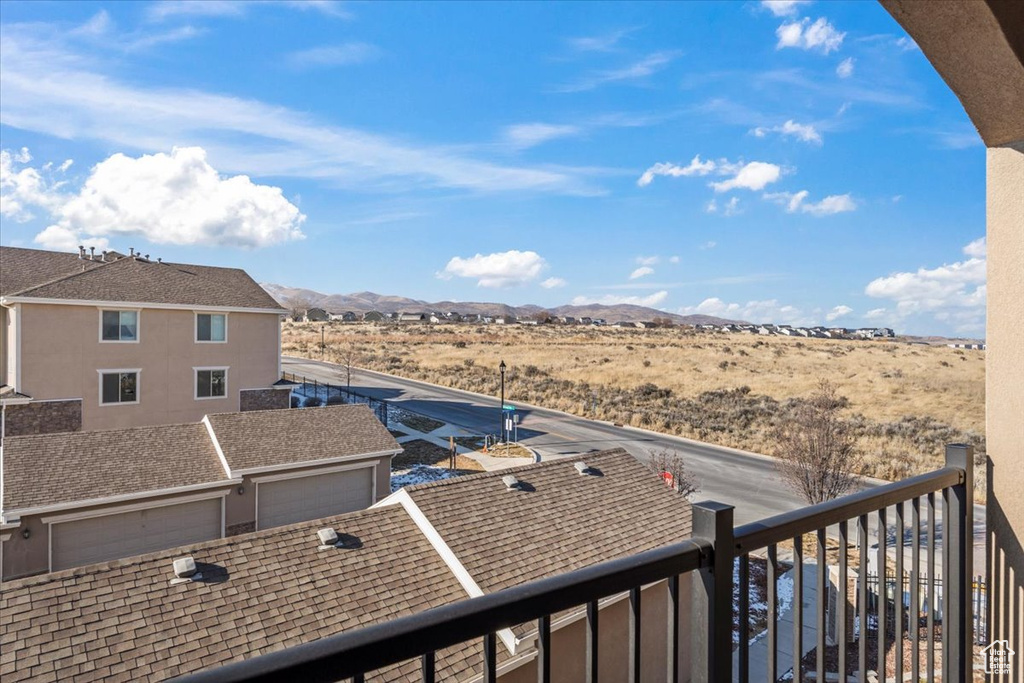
<point>508,407</point>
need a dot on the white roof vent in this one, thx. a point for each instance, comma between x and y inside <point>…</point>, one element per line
<point>511,483</point>
<point>328,538</point>
<point>582,467</point>
<point>185,570</point>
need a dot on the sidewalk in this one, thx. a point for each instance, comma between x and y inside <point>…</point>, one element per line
<point>784,632</point>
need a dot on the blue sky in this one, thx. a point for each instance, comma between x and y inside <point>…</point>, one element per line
<point>786,162</point>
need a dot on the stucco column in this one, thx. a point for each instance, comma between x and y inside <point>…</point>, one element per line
<point>1004,403</point>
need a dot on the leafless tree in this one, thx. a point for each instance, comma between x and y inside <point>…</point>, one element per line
<point>297,307</point>
<point>816,449</point>
<point>347,355</point>
<point>669,465</point>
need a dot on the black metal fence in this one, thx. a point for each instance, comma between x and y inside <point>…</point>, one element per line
<point>709,557</point>
<point>925,588</point>
<point>325,393</point>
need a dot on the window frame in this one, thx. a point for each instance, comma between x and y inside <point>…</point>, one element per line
<point>195,331</point>
<point>195,382</point>
<point>121,371</point>
<point>138,325</point>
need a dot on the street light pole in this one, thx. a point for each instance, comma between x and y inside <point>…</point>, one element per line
<point>502,369</point>
<point>322,344</point>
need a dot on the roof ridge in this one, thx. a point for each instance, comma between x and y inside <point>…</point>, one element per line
<point>91,432</point>
<point>607,453</point>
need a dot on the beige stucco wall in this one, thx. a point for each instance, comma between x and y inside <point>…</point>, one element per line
<point>61,353</point>
<point>1004,405</point>
<point>568,644</point>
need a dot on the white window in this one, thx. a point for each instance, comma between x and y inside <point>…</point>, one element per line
<point>211,383</point>
<point>119,386</point>
<point>211,327</point>
<point>119,326</point>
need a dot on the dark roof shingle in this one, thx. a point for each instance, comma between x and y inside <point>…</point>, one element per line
<point>50,469</point>
<point>52,275</point>
<point>278,437</point>
<point>260,592</point>
<point>561,521</point>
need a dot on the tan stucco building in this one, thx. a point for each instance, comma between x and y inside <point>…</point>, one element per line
<point>110,341</point>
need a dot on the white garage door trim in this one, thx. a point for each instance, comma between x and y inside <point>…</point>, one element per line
<point>122,509</point>
<point>320,471</point>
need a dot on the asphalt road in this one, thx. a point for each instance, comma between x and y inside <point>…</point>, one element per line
<point>747,481</point>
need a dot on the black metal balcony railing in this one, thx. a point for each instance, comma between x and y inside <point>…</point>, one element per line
<point>712,555</point>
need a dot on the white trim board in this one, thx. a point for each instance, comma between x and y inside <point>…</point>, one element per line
<point>314,472</point>
<point>315,463</point>
<point>92,502</point>
<point>138,304</point>
<point>462,575</point>
<point>216,445</point>
<point>106,512</point>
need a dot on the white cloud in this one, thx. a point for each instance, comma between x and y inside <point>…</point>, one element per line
<point>711,207</point>
<point>876,314</point>
<point>897,198</point>
<point>838,312</point>
<point>708,245</point>
<point>613,299</point>
<point>50,89</point>
<point>732,207</point>
<point>525,135</point>
<point>22,189</point>
<point>642,271</point>
<point>752,176</point>
<point>953,293</point>
<point>845,68</point>
<point>801,131</point>
<point>333,55</point>
<point>767,311</point>
<point>602,43</point>
<point>783,8</point>
<point>502,269</point>
<point>673,259</point>
<point>695,167</point>
<point>553,282</point>
<point>647,260</point>
<point>636,71</point>
<point>172,199</point>
<point>821,35</point>
<point>166,9</point>
<point>794,203</point>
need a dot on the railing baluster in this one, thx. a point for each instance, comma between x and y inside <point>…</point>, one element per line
<point>881,597</point>
<point>930,592</point>
<point>773,613</point>
<point>744,619</point>
<point>673,630</point>
<point>544,649</point>
<point>798,605</point>
<point>944,556</point>
<point>862,599</point>
<point>819,668</point>
<point>490,659</point>
<point>712,610</point>
<point>428,667</point>
<point>842,592</point>
<point>593,610</point>
<point>898,634</point>
<point>915,591</point>
<point>635,653</point>
<point>958,540</point>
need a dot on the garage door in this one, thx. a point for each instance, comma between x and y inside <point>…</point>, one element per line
<point>296,500</point>
<point>110,537</point>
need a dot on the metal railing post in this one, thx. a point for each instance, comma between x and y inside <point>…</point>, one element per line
<point>711,616</point>
<point>958,542</point>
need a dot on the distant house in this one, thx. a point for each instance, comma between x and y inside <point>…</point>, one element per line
<point>412,317</point>
<point>787,331</point>
<point>586,321</point>
<point>838,332</point>
<point>598,322</point>
<point>437,318</point>
<point>316,315</point>
<point>529,321</point>
<point>644,325</point>
<point>471,318</point>
<point>567,320</point>
<point>766,329</point>
<point>373,317</point>
<point>505,320</point>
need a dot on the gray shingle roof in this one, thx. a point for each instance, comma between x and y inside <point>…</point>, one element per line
<point>69,467</point>
<point>261,592</point>
<point>562,521</point>
<point>51,469</point>
<point>276,437</point>
<point>53,275</point>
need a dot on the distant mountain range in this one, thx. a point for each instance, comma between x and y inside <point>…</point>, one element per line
<point>361,302</point>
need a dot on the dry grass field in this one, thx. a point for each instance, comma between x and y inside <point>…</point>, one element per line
<point>905,400</point>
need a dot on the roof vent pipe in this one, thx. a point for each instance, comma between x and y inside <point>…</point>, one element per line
<point>81,251</point>
<point>511,483</point>
<point>131,251</point>
<point>92,253</point>
<point>582,467</point>
<point>185,570</point>
<point>104,256</point>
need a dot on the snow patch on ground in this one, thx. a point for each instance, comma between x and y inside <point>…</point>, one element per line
<point>419,474</point>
